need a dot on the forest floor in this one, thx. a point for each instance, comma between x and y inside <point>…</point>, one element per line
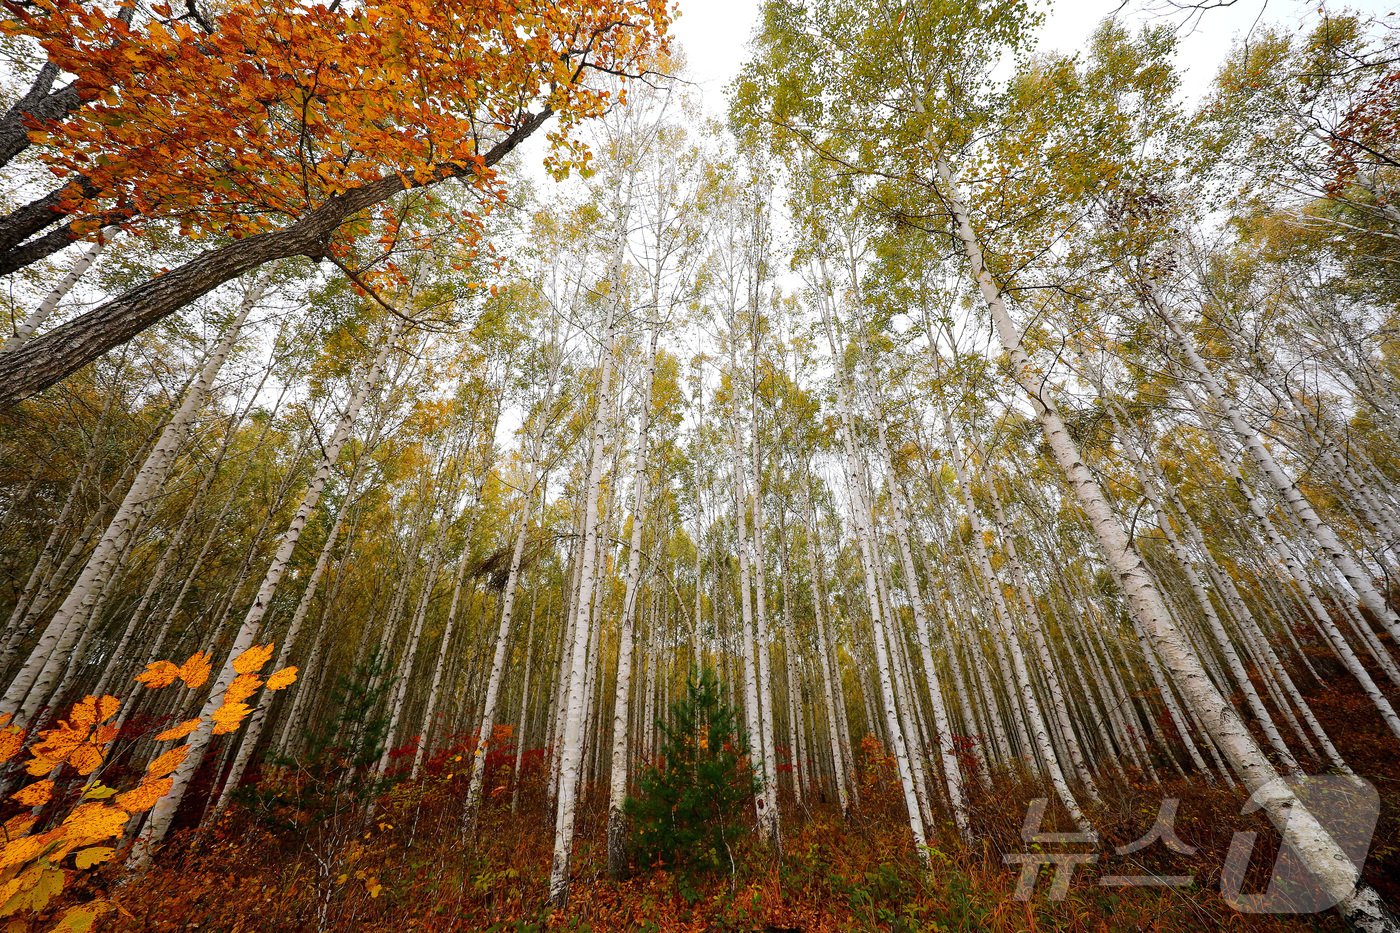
<point>295,858</point>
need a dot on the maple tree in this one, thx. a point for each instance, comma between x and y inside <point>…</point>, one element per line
<point>281,126</point>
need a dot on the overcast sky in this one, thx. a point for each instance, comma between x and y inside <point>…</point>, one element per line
<point>714,33</point>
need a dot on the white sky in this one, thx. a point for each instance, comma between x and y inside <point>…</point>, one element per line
<point>715,33</point>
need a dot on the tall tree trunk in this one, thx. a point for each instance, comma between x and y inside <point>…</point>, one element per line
<point>572,694</point>
<point>1357,901</point>
<point>163,813</point>
<point>622,694</point>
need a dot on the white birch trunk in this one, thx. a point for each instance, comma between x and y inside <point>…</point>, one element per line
<point>622,688</point>
<point>161,815</point>
<point>1357,901</point>
<point>36,679</point>
<point>39,315</point>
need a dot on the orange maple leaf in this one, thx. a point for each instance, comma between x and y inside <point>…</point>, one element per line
<point>228,717</point>
<point>243,686</point>
<point>195,671</point>
<point>35,795</point>
<point>253,659</point>
<point>180,731</point>
<point>158,674</point>
<point>145,795</point>
<point>283,678</point>
<point>167,762</point>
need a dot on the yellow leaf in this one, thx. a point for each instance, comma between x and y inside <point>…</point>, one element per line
<point>35,795</point>
<point>11,741</point>
<point>98,791</point>
<point>37,887</point>
<point>145,794</point>
<point>195,671</point>
<point>93,855</point>
<point>282,679</point>
<point>93,822</point>
<point>158,674</point>
<point>180,731</point>
<point>243,686</point>
<point>229,717</point>
<point>80,919</point>
<point>167,762</point>
<point>253,659</point>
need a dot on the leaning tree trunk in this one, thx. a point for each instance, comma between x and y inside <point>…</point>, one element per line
<point>1357,901</point>
<point>1298,504</point>
<point>163,813</point>
<point>45,360</point>
<point>498,666</point>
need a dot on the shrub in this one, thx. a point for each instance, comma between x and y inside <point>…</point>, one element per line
<point>691,802</point>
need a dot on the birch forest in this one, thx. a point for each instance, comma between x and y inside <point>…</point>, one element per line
<point>456,474</point>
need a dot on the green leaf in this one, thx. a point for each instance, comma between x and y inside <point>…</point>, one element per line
<point>99,791</point>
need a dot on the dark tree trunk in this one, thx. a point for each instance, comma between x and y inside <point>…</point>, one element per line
<point>45,360</point>
<point>37,104</point>
<point>23,222</point>
<point>35,250</point>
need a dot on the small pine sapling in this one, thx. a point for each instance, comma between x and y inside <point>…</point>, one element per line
<point>691,801</point>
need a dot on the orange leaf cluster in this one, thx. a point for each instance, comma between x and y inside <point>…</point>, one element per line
<point>81,740</point>
<point>283,105</point>
<point>30,865</point>
<point>243,686</point>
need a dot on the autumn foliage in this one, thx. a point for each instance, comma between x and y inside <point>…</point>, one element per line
<point>88,815</point>
<point>269,109</point>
